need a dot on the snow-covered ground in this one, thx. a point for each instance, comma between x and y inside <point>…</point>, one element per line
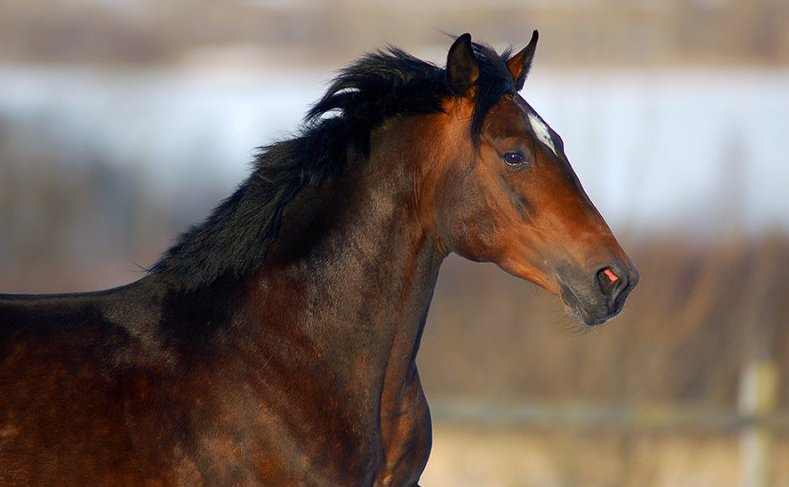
<point>683,150</point>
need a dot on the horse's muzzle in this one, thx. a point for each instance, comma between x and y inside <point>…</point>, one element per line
<point>604,297</point>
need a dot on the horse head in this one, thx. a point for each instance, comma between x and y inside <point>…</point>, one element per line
<point>507,194</point>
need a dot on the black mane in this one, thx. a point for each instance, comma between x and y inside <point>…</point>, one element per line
<point>233,241</point>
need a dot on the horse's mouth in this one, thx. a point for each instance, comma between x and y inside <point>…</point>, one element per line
<point>590,316</point>
<point>589,307</point>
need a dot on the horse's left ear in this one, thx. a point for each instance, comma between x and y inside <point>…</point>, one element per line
<point>462,65</point>
<point>520,63</point>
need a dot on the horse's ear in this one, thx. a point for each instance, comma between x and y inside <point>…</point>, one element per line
<point>520,63</point>
<point>462,65</point>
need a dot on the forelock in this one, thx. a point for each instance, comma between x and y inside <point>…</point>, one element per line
<point>495,81</point>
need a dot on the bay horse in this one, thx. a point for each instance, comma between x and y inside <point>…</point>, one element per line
<point>274,344</point>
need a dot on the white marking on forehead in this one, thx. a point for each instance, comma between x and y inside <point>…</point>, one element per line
<point>542,131</point>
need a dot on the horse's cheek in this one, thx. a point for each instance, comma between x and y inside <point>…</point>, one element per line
<point>465,230</point>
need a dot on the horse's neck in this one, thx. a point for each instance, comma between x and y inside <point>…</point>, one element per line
<point>351,278</point>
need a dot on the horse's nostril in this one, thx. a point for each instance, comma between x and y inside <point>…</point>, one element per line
<point>608,280</point>
<point>610,274</point>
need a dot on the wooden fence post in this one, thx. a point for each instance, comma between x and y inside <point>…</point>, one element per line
<point>758,399</point>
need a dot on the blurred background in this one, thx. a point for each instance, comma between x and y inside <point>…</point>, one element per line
<point>124,121</point>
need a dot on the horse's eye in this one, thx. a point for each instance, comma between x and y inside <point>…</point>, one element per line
<point>514,158</point>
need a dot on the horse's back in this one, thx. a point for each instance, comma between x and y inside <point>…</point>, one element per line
<point>68,366</point>
<point>85,326</point>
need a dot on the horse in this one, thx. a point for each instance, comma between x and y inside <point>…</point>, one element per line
<point>275,343</point>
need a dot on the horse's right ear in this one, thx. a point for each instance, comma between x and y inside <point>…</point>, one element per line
<point>462,65</point>
<point>520,63</point>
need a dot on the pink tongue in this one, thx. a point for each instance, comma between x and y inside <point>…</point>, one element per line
<point>610,275</point>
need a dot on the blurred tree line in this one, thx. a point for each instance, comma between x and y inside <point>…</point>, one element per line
<point>634,32</point>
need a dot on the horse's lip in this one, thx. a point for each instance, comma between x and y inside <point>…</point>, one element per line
<point>592,314</point>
